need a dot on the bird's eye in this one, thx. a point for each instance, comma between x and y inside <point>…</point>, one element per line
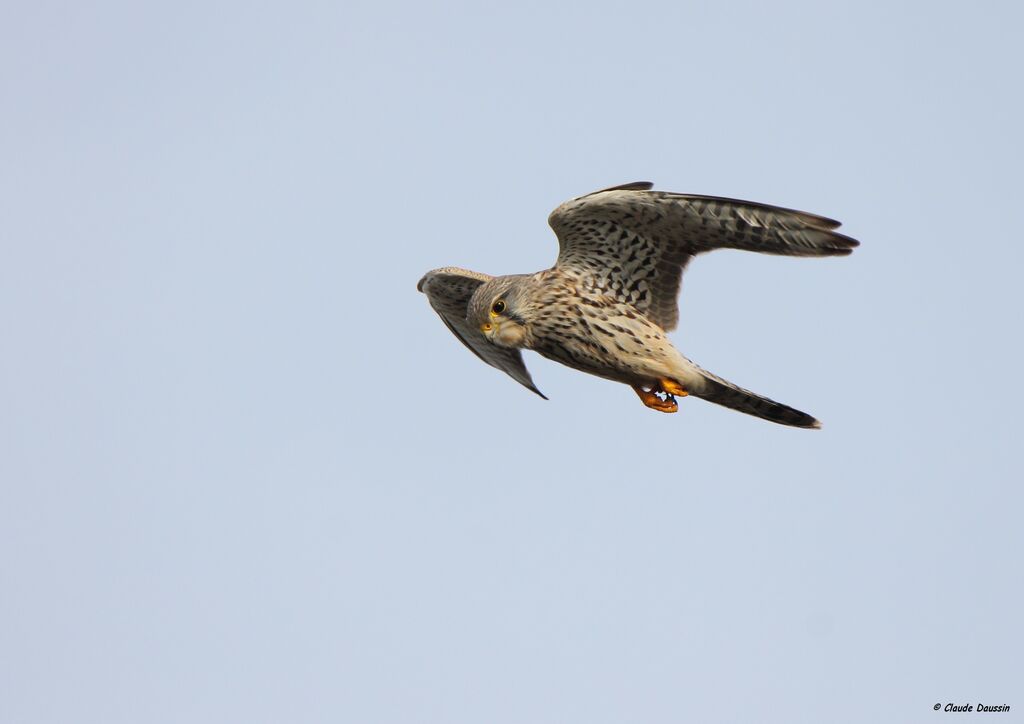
<point>499,306</point>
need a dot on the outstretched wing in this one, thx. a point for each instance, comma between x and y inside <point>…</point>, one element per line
<point>449,290</point>
<point>633,243</point>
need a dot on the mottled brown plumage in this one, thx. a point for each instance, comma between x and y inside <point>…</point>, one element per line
<point>605,306</point>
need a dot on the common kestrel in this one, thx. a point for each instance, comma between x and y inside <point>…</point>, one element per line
<point>607,303</point>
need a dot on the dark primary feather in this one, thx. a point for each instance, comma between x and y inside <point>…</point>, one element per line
<point>633,243</point>
<point>634,186</point>
<point>449,291</point>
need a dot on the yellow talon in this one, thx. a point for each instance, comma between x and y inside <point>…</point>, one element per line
<point>653,401</point>
<point>673,388</point>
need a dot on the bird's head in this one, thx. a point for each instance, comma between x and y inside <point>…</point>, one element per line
<point>497,309</point>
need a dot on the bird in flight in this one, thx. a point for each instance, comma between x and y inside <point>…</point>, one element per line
<point>606,305</point>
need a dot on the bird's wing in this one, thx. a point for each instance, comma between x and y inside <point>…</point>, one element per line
<point>633,243</point>
<point>449,290</point>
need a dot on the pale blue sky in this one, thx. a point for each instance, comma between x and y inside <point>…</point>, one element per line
<point>247,475</point>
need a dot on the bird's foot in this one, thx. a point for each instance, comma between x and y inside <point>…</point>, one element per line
<point>671,387</point>
<point>657,399</point>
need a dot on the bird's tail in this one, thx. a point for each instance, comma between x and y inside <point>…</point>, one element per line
<point>721,392</point>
